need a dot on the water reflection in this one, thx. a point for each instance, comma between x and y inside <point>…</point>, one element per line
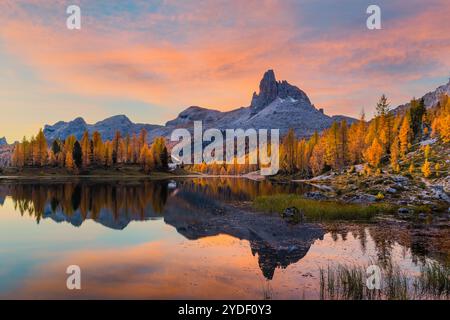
<point>195,207</point>
<point>225,252</point>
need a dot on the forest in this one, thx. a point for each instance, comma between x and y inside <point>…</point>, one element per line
<point>386,139</point>
<point>89,152</point>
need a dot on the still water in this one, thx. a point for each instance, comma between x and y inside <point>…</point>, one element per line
<point>167,240</point>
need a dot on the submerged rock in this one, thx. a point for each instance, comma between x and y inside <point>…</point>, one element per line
<point>293,214</point>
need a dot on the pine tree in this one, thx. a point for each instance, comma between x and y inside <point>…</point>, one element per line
<point>356,136</point>
<point>317,160</point>
<point>383,106</point>
<point>99,152</point>
<point>69,161</point>
<point>411,168</point>
<point>86,150</point>
<point>41,153</point>
<point>404,137</point>
<point>115,146</point>
<point>288,152</point>
<point>332,146</point>
<point>77,154</point>
<point>374,153</point>
<point>426,169</point>
<point>437,169</point>
<point>394,156</point>
<point>108,154</point>
<point>416,112</point>
<point>343,144</point>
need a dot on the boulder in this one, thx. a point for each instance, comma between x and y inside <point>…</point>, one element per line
<point>293,214</point>
<point>404,212</point>
<point>315,195</point>
<point>391,190</point>
<point>360,198</point>
<point>400,179</point>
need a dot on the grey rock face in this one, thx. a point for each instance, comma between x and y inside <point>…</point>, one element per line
<point>270,89</point>
<point>431,99</point>
<point>107,128</point>
<point>278,105</point>
<point>3,142</point>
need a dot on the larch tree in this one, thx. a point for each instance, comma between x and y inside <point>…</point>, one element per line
<point>86,149</point>
<point>374,153</point>
<point>394,155</point>
<point>404,136</point>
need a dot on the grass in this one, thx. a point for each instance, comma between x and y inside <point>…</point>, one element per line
<point>349,283</point>
<point>434,280</point>
<point>320,210</point>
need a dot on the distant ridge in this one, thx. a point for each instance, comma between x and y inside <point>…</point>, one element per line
<point>277,105</point>
<point>107,128</point>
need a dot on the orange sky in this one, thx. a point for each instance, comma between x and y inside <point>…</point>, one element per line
<point>152,59</point>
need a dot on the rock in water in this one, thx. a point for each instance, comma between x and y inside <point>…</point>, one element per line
<point>293,214</point>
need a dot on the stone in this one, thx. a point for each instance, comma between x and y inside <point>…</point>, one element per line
<point>315,195</point>
<point>391,190</point>
<point>290,212</point>
<point>400,179</point>
<point>404,212</point>
<point>360,198</point>
<point>293,214</point>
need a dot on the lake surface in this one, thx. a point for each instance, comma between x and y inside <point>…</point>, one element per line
<point>161,240</point>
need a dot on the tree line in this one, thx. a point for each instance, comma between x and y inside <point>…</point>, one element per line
<point>91,151</point>
<point>388,137</point>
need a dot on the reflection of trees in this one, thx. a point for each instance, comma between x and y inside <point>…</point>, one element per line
<point>240,189</point>
<point>386,237</point>
<point>89,198</point>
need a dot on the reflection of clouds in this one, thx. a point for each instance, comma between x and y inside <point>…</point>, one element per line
<point>154,270</point>
<point>210,268</point>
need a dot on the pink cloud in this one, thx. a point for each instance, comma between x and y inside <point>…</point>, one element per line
<point>213,55</point>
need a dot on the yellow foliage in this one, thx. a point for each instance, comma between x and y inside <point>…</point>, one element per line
<point>426,169</point>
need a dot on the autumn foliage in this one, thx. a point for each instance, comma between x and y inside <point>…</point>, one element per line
<point>91,152</point>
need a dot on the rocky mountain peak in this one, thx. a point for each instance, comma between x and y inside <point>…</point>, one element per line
<point>271,89</point>
<point>120,119</point>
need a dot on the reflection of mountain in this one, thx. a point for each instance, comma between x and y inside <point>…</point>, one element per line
<point>196,208</point>
<point>276,243</point>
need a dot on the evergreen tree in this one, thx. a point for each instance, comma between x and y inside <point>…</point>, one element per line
<point>77,154</point>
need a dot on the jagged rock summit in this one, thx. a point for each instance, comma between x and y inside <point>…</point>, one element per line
<point>271,89</point>
<point>278,105</point>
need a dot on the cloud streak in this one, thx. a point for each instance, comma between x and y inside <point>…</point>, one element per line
<point>212,53</point>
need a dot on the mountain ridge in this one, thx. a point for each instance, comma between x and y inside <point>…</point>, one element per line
<point>277,105</point>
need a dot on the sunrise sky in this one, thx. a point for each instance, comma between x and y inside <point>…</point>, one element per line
<point>151,59</point>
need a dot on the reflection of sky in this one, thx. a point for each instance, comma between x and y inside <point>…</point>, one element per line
<point>151,260</point>
<point>25,245</point>
<point>151,59</point>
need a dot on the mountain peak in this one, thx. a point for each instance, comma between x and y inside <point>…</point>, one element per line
<point>121,118</point>
<point>271,89</point>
